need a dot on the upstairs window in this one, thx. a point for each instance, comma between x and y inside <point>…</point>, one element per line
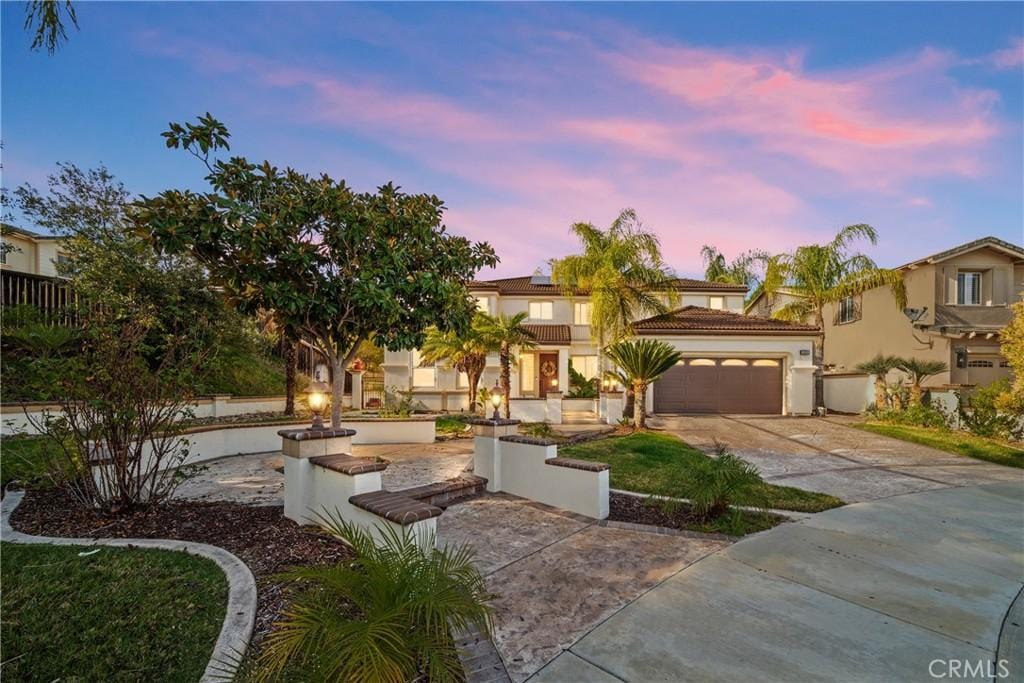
<point>581,313</point>
<point>968,288</point>
<point>4,248</point>
<point>541,310</point>
<point>847,312</point>
<point>483,304</point>
<point>716,303</point>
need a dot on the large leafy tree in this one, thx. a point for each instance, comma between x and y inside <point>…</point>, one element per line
<point>1012,347</point>
<point>341,266</point>
<point>508,333</point>
<point>741,270</point>
<point>642,362</point>
<point>464,351</point>
<point>822,274</point>
<point>622,270</point>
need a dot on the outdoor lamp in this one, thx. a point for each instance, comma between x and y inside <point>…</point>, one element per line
<point>554,381</point>
<point>496,394</point>
<point>316,398</point>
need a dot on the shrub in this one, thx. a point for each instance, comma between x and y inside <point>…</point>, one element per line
<point>981,416</point>
<point>919,415</point>
<point>580,386</point>
<point>712,484</point>
<point>387,616</point>
<point>539,429</point>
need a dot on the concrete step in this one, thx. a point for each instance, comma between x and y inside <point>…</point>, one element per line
<point>444,493</point>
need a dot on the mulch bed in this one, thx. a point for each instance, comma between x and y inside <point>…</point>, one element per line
<point>259,535</point>
<point>623,508</point>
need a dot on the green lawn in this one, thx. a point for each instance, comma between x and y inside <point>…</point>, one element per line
<point>961,443</point>
<point>26,459</point>
<point>119,614</point>
<point>648,462</point>
<point>452,424</point>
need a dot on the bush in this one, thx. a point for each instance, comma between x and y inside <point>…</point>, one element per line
<point>387,616</point>
<point>920,415</point>
<point>981,416</point>
<point>580,386</point>
<point>712,483</point>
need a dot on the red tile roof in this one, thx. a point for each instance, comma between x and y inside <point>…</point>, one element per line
<point>523,285</point>
<point>550,335</point>
<point>697,320</point>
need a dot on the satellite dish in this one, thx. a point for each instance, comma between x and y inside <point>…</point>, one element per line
<point>915,314</point>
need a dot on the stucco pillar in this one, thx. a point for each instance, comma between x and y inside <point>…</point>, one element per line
<point>563,373</point>
<point>613,402</point>
<point>800,394</point>
<point>554,407</point>
<point>357,389</point>
<point>487,448</point>
<point>219,408</point>
<point>298,446</point>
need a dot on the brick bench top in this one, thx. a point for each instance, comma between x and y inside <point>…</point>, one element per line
<point>531,440</point>
<point>459,483</point>
<point>309,434</point>
<point>346,464</point>
<point>487,422</point>
<point>573,463</point>
<point>395,507</point>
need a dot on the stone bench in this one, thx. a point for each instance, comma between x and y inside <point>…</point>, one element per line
<point>442,492</point>
<point>395,507</point>
<point>347,464</point>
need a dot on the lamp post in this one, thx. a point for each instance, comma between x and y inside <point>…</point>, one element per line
<point>316,398</point>
<point>496,394</point>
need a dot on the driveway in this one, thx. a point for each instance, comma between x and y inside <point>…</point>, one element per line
<point>828,455</point>
<point>874,591</point>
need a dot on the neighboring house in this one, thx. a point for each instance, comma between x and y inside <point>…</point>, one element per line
<point>741,364</point>
<point>29,252</point>
<point>765,305</point>
<point>965,294</point>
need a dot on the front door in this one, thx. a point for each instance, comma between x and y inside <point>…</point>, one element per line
<point>548,366</point>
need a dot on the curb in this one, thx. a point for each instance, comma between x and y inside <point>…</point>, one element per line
<point>240,614</point>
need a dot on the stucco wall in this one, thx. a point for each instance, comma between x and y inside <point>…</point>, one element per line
<point>851,393</point>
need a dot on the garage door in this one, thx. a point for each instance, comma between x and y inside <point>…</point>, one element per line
<point>721,385</point>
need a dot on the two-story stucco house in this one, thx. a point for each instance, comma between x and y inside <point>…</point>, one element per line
<point>962,298</point>
<point>734,363</point>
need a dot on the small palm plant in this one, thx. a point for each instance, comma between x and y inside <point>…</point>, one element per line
<point>387,616</point>
<point>466,352</point>
<point>721,480</point>
<point>642,362</point>
<point>879,366</point>
<point>507,332</point>
<point>920,370</point>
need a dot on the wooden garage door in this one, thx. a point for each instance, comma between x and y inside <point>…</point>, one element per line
<point>721,385</point>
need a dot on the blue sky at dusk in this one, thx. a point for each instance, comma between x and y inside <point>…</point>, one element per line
<point>739,125</point>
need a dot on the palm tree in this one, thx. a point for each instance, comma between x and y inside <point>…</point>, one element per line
<point>821,274</point>
<point>879,366</point>
<point>740,271</point>
<point>920,370</point>
<point>622,270</point>
<point>43,19</point>
<point>463,352</point>
<point>642,361</point>
<point>507,332</point>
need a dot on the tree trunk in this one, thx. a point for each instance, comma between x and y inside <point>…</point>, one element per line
<point>880,402</point>
<point>639,405</point>
<point>506,378</point>
<point>630,401</point>
<point>473,378</point>
<point>819,362</point>
<point>915,394</point>
<point>290,365</point>
<point>337,388</point>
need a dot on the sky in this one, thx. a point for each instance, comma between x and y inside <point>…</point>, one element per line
<point>744,126</point>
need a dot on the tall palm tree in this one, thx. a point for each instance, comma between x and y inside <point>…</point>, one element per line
<point>821,274</point>
<point>920,370</point>
<point>507,332</point>
<point>622,270</point>
<point>742,270</point>
<point>463,352</point>
<point>642,361</point>
<point>879,366</point>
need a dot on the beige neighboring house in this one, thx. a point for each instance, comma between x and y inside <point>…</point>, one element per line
<point>728,355</point>
<point>963,296</point>
<point>30,252</point>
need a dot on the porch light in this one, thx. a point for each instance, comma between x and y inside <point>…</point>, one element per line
<point>496,394</point>
<point>316,398</point>
<point>554,381</point>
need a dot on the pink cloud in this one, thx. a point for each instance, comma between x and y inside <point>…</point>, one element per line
<point>1009,57</point>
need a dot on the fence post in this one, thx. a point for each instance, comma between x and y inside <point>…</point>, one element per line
<point>357,389</point>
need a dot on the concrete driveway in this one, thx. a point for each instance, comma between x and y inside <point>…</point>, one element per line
<point>875,591</point>
<point>829,456</point>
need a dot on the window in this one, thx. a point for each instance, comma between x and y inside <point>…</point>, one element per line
<point>4,248</point>
<point>1004,363</point>
<point>527,372</point>
<point>702,361</point>
<point>765,363</point>
<point>847,311</point>
<point>422,376</point>
<point>541,310</point>
<point>482,304</point>
<point>734,361</point>
<point>581,313</point>
<point>716,302</point>
<point>585,365</point>
<point>979,363</point>
<point>968,288</point>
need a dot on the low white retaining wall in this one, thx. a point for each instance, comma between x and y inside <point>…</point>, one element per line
<point>531,468</point>
<point>529,409</point>
<point>580,405</point>
<point>413,429</point>
<point>849,393</point>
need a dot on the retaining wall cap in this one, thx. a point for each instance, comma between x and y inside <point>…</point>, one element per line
<point>531,440</point>
<point>346,464</point>
<point>573,463</point>
<point>395,507</point>
<point>310,434</point>
<point>493,423</point>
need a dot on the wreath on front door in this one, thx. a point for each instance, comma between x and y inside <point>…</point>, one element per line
<point>547,368</point>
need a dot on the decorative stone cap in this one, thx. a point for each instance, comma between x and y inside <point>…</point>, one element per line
<point>395,507</point>
<point>483,422</point>
<point>346,464</point>
<point>459,483</point>
<point>310,434</point>
<point>531,440</point>
<point>573,463</point>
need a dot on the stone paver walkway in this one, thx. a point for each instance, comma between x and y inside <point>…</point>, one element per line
<point>869,592</point>
<point>558,575</point>
<point>829,456</point>
<point>258,480</point>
